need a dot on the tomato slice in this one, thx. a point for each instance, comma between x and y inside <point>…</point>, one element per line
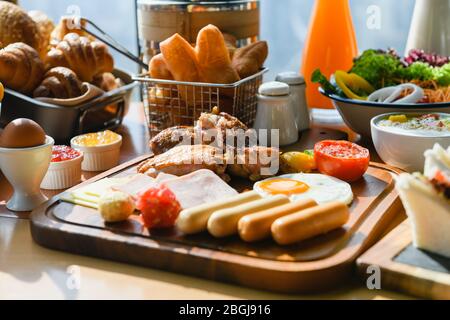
<point>341,159</point>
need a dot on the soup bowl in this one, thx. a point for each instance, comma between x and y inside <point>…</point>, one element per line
<point>405,148</point>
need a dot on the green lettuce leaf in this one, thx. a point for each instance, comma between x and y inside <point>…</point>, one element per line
<point>321,79</point>
<point>378,67</point>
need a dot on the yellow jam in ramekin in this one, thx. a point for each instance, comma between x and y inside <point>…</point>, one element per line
<point>96,139</point>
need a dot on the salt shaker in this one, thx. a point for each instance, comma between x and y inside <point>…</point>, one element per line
<point>275,113</point>
<point>297,87</point>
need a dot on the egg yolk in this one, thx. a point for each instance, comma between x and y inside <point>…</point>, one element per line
<point>284,186</point>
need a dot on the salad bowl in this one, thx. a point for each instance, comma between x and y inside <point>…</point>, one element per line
<point>357,114</point>
<point>381,81</point>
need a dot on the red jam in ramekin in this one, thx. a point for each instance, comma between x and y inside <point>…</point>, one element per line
<point>64,153</point>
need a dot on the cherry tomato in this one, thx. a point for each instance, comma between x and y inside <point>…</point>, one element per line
<point>159,207</point>
<point>341,159</point>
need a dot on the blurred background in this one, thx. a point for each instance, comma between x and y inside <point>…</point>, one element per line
<point>284,24</point>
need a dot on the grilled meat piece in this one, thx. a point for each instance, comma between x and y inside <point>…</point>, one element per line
<point>182,135</point>
<point>182,160</point>
<point>212,129</point>
<point>171,137</point>
<point>222,122</point>
<point>254,163</point>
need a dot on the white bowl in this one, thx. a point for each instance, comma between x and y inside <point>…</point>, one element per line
<point>99,158</point>
<point>358,114</point>
<point>63,175</point>
<point>403,149</point>
<point>25,168</point>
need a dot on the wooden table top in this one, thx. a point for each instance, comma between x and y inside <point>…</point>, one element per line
<point>28,271</point>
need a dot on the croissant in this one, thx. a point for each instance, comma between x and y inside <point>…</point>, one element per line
<point>67,25</point>
<point>21,69</point>
<point>85,57</point>
<point>60,83</point>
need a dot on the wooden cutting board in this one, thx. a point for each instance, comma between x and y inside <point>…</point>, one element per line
<point>314,265</point>
<point>406,268</point>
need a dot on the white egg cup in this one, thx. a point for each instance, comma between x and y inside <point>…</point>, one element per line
<point>25,169</point>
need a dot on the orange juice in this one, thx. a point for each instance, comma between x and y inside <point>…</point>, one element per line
<point>330,46</point>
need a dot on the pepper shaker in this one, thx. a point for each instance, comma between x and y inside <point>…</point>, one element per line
<point>275,113</point>
<point>297,87</point>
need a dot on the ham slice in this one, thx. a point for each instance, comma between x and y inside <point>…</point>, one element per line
<point>191,190</point>
<point>199,187</point>
<point>139,183</point>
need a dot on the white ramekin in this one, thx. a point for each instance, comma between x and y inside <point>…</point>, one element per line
<point>99,158</point>
<point>63,175</point>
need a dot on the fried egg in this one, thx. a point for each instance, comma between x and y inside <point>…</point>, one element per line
<point>321,188</point>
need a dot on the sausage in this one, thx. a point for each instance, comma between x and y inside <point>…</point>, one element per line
<point>256,227</point>
<point>309,223</point>
<point>224,222</point>
<point>195,220</point>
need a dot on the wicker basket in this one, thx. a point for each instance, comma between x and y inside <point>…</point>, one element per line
<point>173,103</point>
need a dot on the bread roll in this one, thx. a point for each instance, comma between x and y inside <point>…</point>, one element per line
<point>250,59</point>
<point>158,68</point>
<point>181,59</point>
<point>17,26</point>
<point>160,95</point>
<point>213,57</point>
<point>45,26</point>
<point>231,43</point>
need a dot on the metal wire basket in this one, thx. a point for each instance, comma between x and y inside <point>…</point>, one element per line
<point>170,103</point>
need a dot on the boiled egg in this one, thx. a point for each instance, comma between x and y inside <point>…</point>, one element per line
<point>321,188</point>
<point>22,133</point>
